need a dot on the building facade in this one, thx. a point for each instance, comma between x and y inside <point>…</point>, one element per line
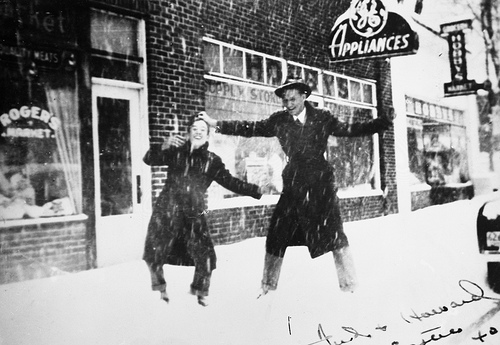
<point>438,135</point>
<point>90,84</point>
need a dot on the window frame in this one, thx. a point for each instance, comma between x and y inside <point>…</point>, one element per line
<point>318,97</point>
<point>138,59</point>
<point>432,115</point>
<point>245,52</point>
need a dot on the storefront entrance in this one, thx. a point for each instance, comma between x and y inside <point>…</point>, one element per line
<point>122,180</point>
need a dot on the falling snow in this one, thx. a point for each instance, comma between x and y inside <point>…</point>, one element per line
<point>422,281</point>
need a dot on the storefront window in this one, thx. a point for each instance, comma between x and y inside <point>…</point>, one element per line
<point>328,85</point>
<point>255,67</point>
<point>233,62</point>
<point>437,149</point>
<point>311,79</point>
<point>114,34</point>
<point>255,160</point>
<point>416,150</point>
<point>355,91</point>
<point>368,93</point>
<point>343,88</point>
<point>258,159</point>
<point>115,49</point>
<point>40,171</point>
<point>309,75</point>
<point>211,57</point>
<point>274,72</point>
<point>295,70</point>
<point>352,158</point>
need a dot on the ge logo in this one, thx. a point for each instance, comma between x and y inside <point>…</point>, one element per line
<point>368,17</point>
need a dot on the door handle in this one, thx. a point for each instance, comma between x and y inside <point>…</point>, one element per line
<point>139,189</point>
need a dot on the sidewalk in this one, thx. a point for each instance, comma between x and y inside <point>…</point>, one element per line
<point>409,268</point>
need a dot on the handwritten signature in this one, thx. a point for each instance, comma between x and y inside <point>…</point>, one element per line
<point>475,293</point>
<point>466,286</point>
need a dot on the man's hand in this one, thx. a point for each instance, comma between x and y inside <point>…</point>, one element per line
<point>174,140</point>
<point>204,116</point>
<point>388,114</point>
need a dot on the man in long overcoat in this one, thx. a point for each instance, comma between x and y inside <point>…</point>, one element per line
<point>178,233</point>
<point>308,211</point>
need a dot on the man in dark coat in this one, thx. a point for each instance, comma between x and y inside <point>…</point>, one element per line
<point>178,233</point>
<point>307,212</point>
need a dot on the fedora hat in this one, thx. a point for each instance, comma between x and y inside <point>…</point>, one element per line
<point>293,82</point>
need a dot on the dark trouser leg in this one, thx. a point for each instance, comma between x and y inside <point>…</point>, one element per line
<point>157,278</point>
<point>346,272</point>
<point>200,248</point>
<point>201,279</point>
<point>272,269</point>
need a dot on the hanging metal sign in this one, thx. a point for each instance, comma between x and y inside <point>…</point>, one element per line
<point>367,29</point>
<point>459,85</point>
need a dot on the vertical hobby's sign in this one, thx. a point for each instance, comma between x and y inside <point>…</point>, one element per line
<point>367,29</point>
<point>454,33</point>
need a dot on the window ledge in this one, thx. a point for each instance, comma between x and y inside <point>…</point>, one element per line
<point>358,193</point>
<point>246,201</point>
<point>33,221</point>
<point>421,187</point>
<point>242,201</point>
<point>457,184</point>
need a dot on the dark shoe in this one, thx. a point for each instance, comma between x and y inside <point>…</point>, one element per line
<point>203,300</point>
<point>263,292</point>
<point>164,296</point>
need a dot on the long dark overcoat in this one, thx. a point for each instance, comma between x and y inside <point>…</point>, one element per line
<point>307,212</point>
<point>178,233</point>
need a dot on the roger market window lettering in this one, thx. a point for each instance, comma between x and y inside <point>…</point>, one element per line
<point>40,163</point>
<point>32,176</point>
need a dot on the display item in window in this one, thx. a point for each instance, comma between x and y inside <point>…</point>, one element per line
<point>17,196</point>
<point>178,232</point>
<point>308,212</point>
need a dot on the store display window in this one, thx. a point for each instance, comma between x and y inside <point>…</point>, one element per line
<point>353,159</point>
<point>256,160</point>
<point>238,63</point>
<point>255,67</point>
<point>261,160</point>
<point>40,165</point>
<point>437,149</point>
<point>416,154</point>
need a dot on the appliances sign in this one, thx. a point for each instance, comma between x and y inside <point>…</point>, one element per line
<point>367,29</point>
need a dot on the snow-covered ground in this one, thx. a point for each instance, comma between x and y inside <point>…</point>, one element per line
<point>421,281</point>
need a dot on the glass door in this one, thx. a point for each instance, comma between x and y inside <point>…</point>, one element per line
<point>120,178</point>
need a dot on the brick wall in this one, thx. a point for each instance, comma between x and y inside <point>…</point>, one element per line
<point>175,66</point>
<point>420,199</point>
<point>237,224</point>
<point>361,208</point>
<point>297,30</point>
<point>175,71</point>
<point>42,250</point>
